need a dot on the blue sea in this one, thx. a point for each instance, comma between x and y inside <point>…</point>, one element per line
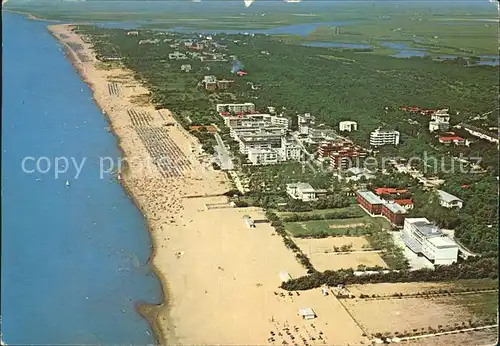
<point>74,258</point>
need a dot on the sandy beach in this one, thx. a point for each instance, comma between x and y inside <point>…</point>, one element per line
<point>220,278</point>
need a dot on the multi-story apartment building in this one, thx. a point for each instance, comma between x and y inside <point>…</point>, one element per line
<point>289,151</point>
<point>254,129</point>
<point>263,156</point>
<point>320,133</point>
<point>348,126</point>
<point>440,121</point>
<point>261,153</point>
<point>342,154</point>
<point>280,121</point>
<point>441,115</point>
<point>347,158</point>
<point>305,122</point>
<point>235,107</point>
<point>382,137</point>
<point>258,140</point>
<point>422,237</point>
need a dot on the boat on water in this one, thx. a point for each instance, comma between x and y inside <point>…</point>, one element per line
<point>248,2</point>
<point>67,183</point>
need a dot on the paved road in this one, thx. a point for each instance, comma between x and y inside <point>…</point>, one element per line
<point>223,154</point>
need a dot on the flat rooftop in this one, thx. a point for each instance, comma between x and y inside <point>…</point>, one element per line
<point>447,197</point>
<point>370,197</point>
<point>395,208</point>
<point>442,242</point>
<point>427,229</point>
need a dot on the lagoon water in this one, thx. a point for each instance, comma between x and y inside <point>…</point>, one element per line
<point>74,259</point>
<point>337,45</point>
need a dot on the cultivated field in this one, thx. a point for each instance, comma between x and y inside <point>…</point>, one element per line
<point>387,289</point>
<point>480,337</point>
<point>322,256</point>
<point>405,315</point>
<point>322,261</point>
<point>327,245</point>
<point>416,314</point>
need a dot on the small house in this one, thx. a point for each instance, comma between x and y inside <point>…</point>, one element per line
<point>307,313</point>
<point>447,200</point>
<point>248,221</point>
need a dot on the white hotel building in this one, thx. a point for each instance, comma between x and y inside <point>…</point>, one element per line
<point>348,126</point>
<point>381,137</point>
<point>305,122</point>
<point>424,238</point>
<point>235,107</point>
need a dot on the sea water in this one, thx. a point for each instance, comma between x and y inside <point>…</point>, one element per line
<point>74,258</point>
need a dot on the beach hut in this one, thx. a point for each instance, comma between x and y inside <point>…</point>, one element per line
<point>284,276</point>
<point>248,221</point>
<point>307,313</point>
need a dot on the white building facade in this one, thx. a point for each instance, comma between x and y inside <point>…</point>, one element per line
<point>440,121</point>
<point>426,239</point>
<point>382,137</point>
<point>263,156</point>
<point>305,122</point>
<point>235,107</point>
<point>447,200</point>
<point>304,192</point>
<point>348,126</point>
<point>289,151</point>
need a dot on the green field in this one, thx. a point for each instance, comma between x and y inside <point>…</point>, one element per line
<point>483,306</point>
<point>342,226</point>
<point>353,208</point>
<point>476,283</point>
<point>316,227</point>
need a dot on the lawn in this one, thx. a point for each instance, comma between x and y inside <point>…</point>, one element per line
<point>476,283</point>
<point>483,306</point>
<point>351,209</point>
<point>354,226</point>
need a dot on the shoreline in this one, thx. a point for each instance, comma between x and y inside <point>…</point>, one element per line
<point>148,311</point>
<point>220,280</point>
<point>30,15</point>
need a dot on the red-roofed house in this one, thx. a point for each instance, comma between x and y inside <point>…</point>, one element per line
<point>389,190</point>
<point>405,203</point>
<point>452,139</point>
